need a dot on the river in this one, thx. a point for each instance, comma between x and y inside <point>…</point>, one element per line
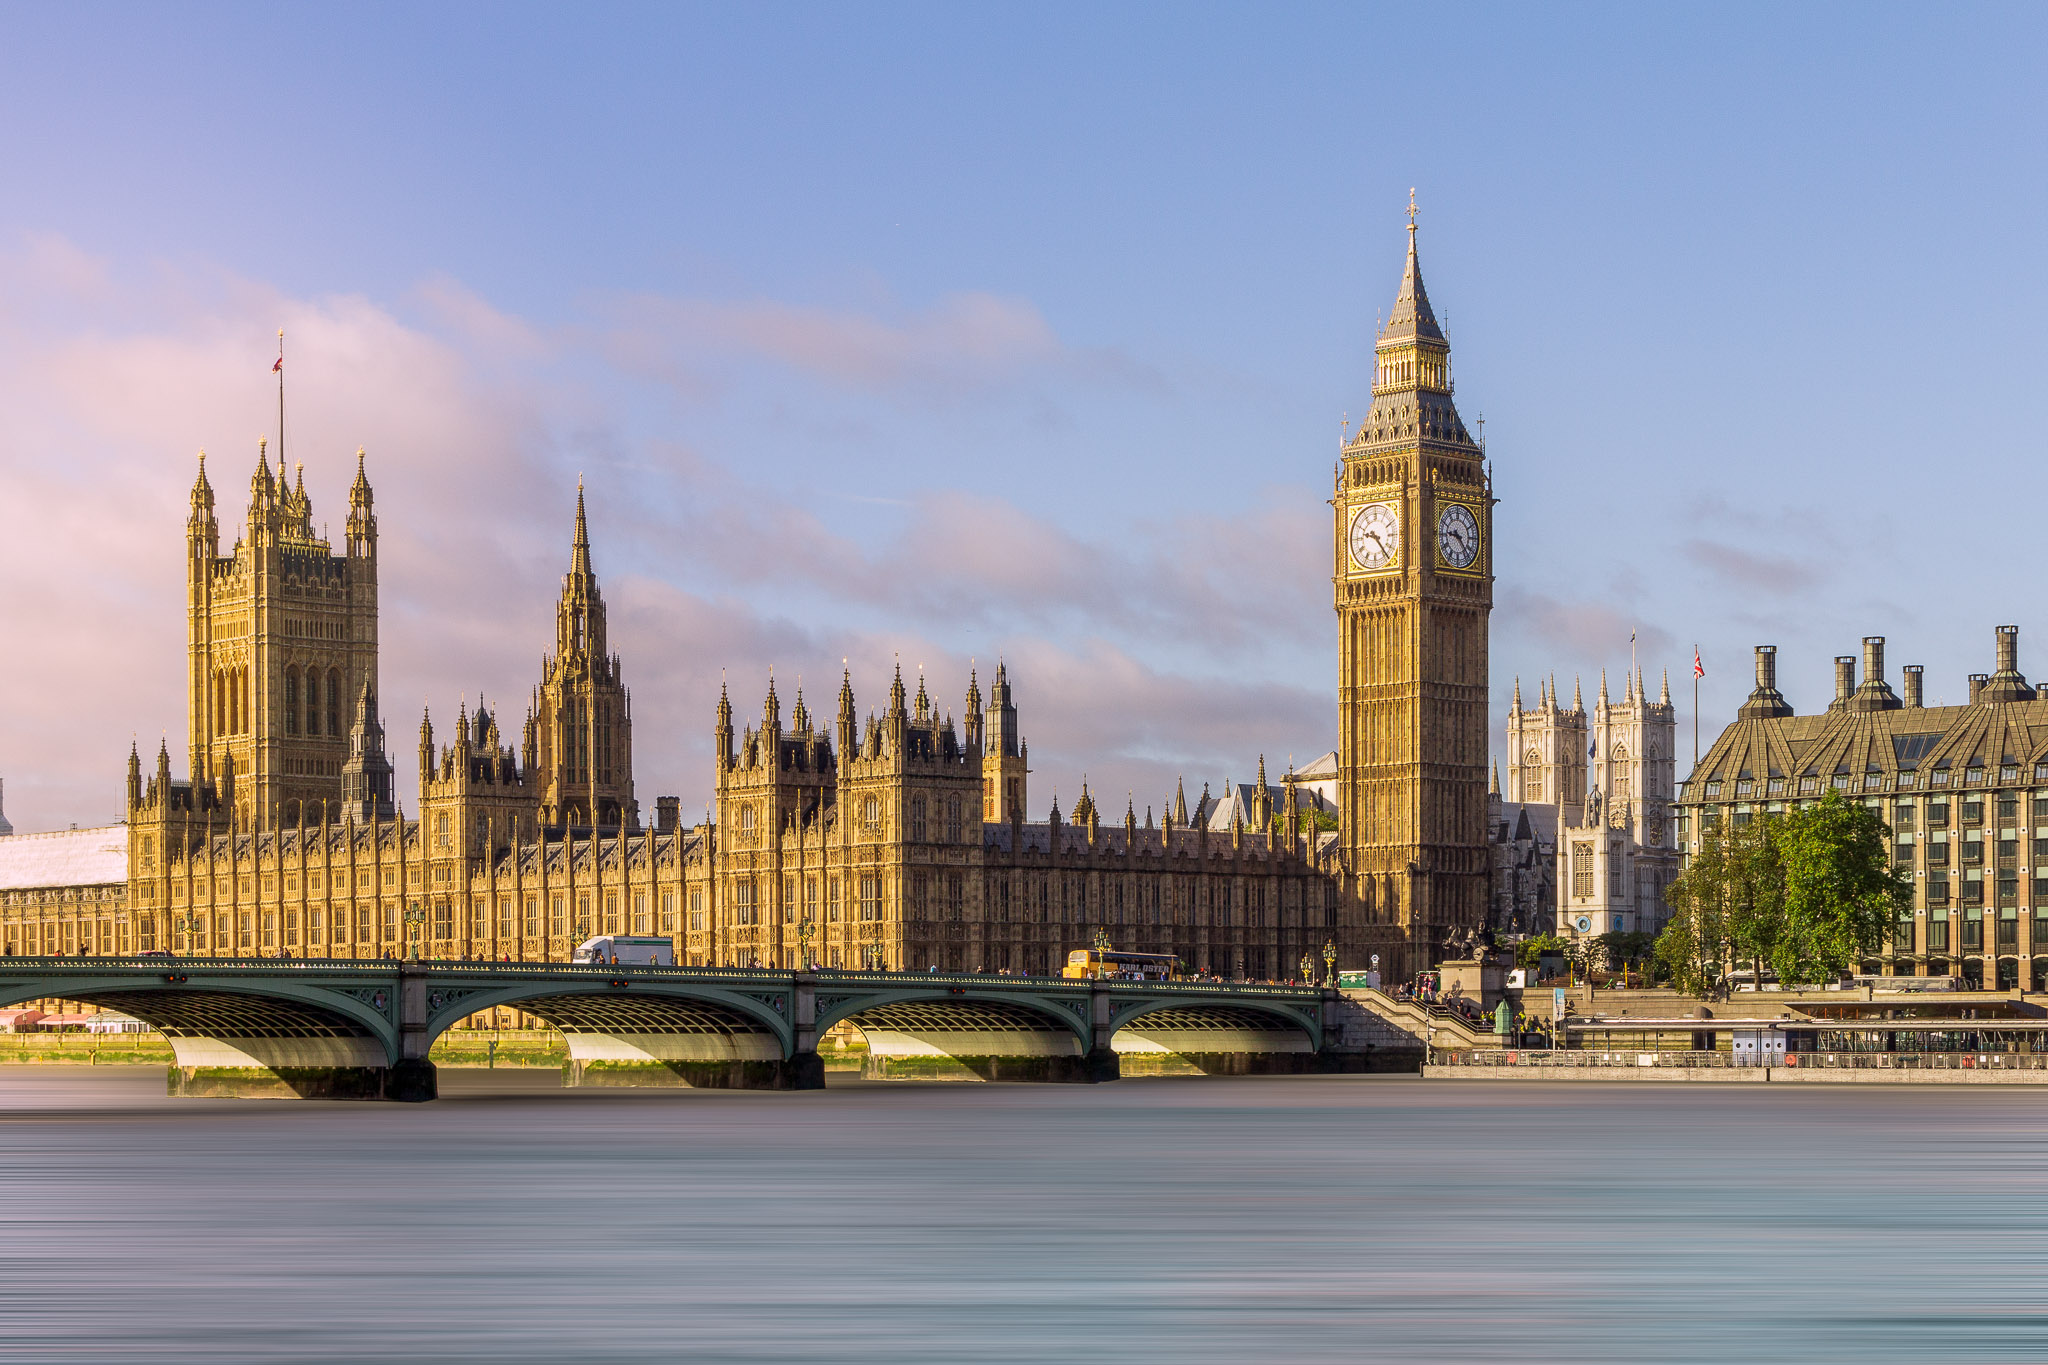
<point>1279,1219</point>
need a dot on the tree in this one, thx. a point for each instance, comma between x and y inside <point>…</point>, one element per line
<point>1531,951</point>
<point>1841,892</point>
<point>1727,906</point>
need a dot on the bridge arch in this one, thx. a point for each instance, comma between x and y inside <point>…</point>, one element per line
<point>960,1030</point>
<point>649,1032</point>
<point>1238,1035</point>
<point>312,1038</point>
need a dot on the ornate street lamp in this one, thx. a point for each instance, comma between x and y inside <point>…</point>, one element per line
<point>1308,969</point>
<point>805,931</point>
<point>582,928</point>
<point>414,918</point>
<point>1330,962</point>
<point>1101,939</point>
<point>189,927</point>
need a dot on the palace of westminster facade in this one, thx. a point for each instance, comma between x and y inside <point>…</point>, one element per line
<point>896,839</point>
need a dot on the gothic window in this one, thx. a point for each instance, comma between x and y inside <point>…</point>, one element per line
<point>953,820</point>
<point>333,701</point>
<point>696,910</point>
<point>743,902</point>
<point>917,819</point>
<point>870,898</point>
<point>917,885</point>
<point>789,900</point>
<point>832,900</point>
<point>611,913</point>
<point>291,701</point>
<point>956,896</point>
<point>747,823</point>
<point>1582,870</point>
<point>533,917</point>
<point>871,812</point>
<point>505,929</point>
<point>668,912</point>
<point>640,925</point>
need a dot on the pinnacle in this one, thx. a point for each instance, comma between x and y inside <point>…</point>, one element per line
<point>1411,318</point>
<point>579,559</point>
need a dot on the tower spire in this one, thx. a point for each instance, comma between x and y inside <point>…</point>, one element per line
<point>579,557</point>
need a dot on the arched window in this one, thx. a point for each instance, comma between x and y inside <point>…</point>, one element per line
<point>747,821</point>
<point>291,701</point>
<point>333,701</point>
<point>220,704</point>
<point>917,819</point>
<point>871,811</point>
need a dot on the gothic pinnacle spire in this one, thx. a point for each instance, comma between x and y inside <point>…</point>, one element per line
<point>1578,697</point>
<point>1411,318</point>
<point>1664,693</point>
<point>579,559</point>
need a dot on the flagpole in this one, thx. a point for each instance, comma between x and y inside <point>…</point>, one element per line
<point>280,400</point>
<point>1695,706</point>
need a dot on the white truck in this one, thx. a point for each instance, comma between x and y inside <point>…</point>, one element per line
<point>628,950</point>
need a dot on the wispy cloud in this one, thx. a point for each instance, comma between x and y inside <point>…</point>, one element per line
<point>1140,652</point>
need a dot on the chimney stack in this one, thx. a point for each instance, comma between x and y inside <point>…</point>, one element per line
<point>1876,694</point>
<point>1914,695</point>
<point>1766,701</point>
<point>1977,681</point>
<point>2007,684</point>
<point>1845,680</point>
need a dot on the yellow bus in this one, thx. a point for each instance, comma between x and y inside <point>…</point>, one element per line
<point>1101,962</point>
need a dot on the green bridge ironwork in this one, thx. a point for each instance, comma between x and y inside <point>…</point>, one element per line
<point>362,1029</point>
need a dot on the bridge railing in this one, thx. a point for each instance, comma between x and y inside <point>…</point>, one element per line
<point>852,976</point>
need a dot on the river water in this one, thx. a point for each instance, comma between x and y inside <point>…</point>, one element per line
<point>1272,1219</point>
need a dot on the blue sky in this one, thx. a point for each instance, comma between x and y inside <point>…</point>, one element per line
<point>941,332</point>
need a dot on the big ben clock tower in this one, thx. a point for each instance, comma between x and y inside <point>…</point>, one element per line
<point>1413,573</point>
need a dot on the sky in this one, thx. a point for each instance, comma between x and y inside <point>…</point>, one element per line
<point>936,334</point>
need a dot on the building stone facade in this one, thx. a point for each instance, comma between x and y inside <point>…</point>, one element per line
<point>895,837</point>
<point>1964,790</point>
<point>1609,776</point>
<point>1413,580</point>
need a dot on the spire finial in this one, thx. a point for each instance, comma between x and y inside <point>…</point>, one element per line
<point>1411,218</point>
<point>580,550</point>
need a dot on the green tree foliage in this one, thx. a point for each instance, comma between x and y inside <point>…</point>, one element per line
<point>1531,951</point>
<point>1807,894</point>
<point>1841,893</point>
<point>1727,906</point>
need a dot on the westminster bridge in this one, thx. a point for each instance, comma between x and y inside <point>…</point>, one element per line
<point>362,1029</point>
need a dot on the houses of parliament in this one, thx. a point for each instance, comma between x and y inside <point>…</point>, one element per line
<point>888,837</point>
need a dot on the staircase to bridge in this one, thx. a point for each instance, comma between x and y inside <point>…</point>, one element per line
<point>353,1029</point>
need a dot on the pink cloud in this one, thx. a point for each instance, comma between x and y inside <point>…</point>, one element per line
<point>110,384</point>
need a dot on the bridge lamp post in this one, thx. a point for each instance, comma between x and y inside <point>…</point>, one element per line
<point>1330,962</point>
<point>1308,969</point>
<point>805,930</point>
<point>582,928</point>
<point>414,918</point>
<point>189,927</point>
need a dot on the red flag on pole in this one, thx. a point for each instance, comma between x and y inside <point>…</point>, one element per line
<point>1698,669</point>
<point>278,366</point>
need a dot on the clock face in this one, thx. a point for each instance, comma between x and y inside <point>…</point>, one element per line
<point>1457,535</point>
<point>1375,536</point>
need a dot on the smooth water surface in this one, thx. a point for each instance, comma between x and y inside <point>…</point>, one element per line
<point>1296,1219</point>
